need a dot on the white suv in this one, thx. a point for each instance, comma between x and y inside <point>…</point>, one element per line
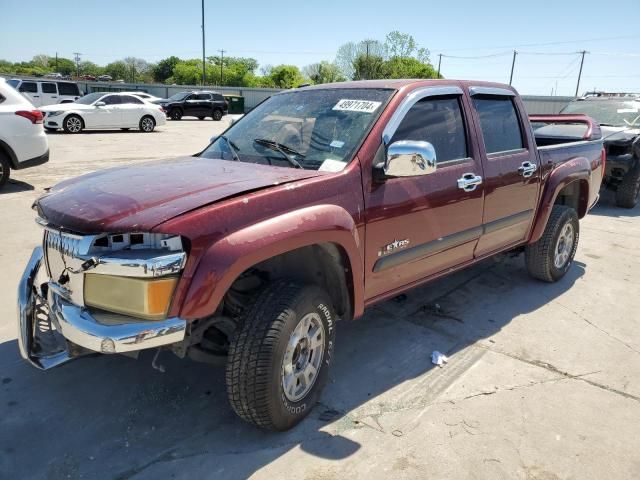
<point>23,142</point>
<point>46,92</point>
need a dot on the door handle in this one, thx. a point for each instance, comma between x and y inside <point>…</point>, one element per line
<point>469,181</point>
<point>527,169</point>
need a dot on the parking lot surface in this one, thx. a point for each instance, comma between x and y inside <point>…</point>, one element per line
<point>542,383</point>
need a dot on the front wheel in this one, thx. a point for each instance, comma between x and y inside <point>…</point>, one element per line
<point>628,191</point>
<point>280,354</point>
<point>73,124</point>
<point>549,258</point>
<point>175,114</point>
<point>147,124</point>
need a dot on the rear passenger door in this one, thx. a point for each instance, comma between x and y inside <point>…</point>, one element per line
<point>511,170</point>
<point>421,225</point>
<point>49,95</point>
<point>132,110</point>
<point>108,115</point>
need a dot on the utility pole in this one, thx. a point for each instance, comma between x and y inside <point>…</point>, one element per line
<point>583,52</point>
<point>203,61</point>
<point>439,62</point>
<point>368,69</point>
<point>56,61</point>
<point>221,64</point>
<point>513,64</point>
<point>77,58</point>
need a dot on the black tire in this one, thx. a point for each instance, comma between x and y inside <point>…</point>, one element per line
<point>5,169</point>
<point>51,129</point>
<point>217,115</point>
<point>201,118</point>
<point>73,124</point>
<point>628,191</point>
<point>175,114</point>
<point>147,124</point>
<point>255,369</point>
<point>540,256</point>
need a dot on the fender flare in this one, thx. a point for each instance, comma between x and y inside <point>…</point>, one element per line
<point>577,169</point>
<point>222,263</point>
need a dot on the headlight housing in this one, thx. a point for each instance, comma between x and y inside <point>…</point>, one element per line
<point>146,298</point>
<point>54,114</point>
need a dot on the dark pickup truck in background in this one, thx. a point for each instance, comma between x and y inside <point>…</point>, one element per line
<point>318,203</point>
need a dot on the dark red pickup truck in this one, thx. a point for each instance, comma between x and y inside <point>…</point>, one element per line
<point>318,203</point>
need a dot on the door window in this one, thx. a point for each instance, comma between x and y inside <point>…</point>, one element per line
<point>203,96</point>
<point>30,87</point>
<point>438,121</point>
<point>49,88</point>
<point>130,99</point>
<point>68,89</point>
<point>112,100</point>
<point>499,123</point>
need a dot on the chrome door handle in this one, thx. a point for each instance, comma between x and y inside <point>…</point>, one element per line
<point>469,181</point>
<point>527,169</point>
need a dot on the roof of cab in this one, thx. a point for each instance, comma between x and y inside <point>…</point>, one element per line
<point>397,84</point>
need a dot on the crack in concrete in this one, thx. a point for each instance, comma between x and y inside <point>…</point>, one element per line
<point>552,368</point>
<point>597,327</point>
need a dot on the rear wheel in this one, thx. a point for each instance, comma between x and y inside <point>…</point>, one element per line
<point>549,258</point>
<point>175,114</point>
<point>280,354</point>
<point>73,124</point>
<point>5,169</point>
<point>201,118</point>
<point>147,124</point>
<point>217,115</point>
<point>628,191</point>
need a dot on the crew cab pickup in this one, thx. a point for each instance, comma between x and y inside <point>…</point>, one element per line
<point>318,203</point>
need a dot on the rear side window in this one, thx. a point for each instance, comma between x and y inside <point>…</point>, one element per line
<point>68,89</point>
<point>131,99</point>
<point>218,98</point>
<point>499,123</point>
<point>30,87</point>
<point>203,96</point>
<point>112,100</point>
<point>49,88</point>
<point>439,122</point>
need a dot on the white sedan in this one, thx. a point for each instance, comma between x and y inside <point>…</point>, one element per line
<point>104,111</point>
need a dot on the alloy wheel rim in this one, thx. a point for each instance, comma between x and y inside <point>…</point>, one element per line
<point>74,124</point>
<point>564,246</point>
<point>303,357</point>
<point>147,124</point>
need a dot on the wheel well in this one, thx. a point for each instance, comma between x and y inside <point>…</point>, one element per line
<point>326,265</point>
<point>73,115</point>
<point>11,156</point>
<point>576,196</point>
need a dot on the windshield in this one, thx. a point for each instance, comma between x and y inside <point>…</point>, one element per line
<point>608,112</point>
<point>312,129</point>
<point>178,96</point>
<point>13,82</point>
<point>89,99</point>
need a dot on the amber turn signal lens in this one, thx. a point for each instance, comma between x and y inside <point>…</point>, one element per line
<point>148,299</point>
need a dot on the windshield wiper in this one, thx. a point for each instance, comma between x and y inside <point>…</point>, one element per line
<point>282,149</point>
<point>232,146</point>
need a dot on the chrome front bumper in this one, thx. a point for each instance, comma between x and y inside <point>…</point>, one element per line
<point>78,330</point>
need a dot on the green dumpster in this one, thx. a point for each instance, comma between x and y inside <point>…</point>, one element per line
<point>236,103</point>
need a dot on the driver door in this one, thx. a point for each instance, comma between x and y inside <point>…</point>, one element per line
<point>418,226</point>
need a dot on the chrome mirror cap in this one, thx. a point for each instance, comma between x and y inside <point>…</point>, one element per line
<point>409,158</point>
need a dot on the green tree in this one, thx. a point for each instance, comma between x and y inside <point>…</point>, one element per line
<point>399,67</point>
<point>286,76</point>
<point>164,69</point>
<point>41,61</point>
<point>65,66</point>
<point>323,72</point>
<point>118,70</point>
<point>349,52</point>
<point>368,67</point>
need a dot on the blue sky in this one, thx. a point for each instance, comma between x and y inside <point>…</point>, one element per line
<point>302,32</point>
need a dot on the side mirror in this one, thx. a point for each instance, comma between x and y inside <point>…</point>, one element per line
<point>100,104</point>
<point>409,158</point>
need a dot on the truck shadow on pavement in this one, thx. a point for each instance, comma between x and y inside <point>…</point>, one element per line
<point>16,186</point>
<point>114,417</point>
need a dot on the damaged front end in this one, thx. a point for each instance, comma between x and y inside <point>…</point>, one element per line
<point>85,294</point>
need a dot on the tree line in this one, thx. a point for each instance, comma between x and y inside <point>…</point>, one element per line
<point>397,56</point>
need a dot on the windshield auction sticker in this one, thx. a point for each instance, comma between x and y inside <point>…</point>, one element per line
<point>364,106</point>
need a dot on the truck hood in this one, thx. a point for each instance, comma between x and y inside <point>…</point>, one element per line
<point>140,197</point>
